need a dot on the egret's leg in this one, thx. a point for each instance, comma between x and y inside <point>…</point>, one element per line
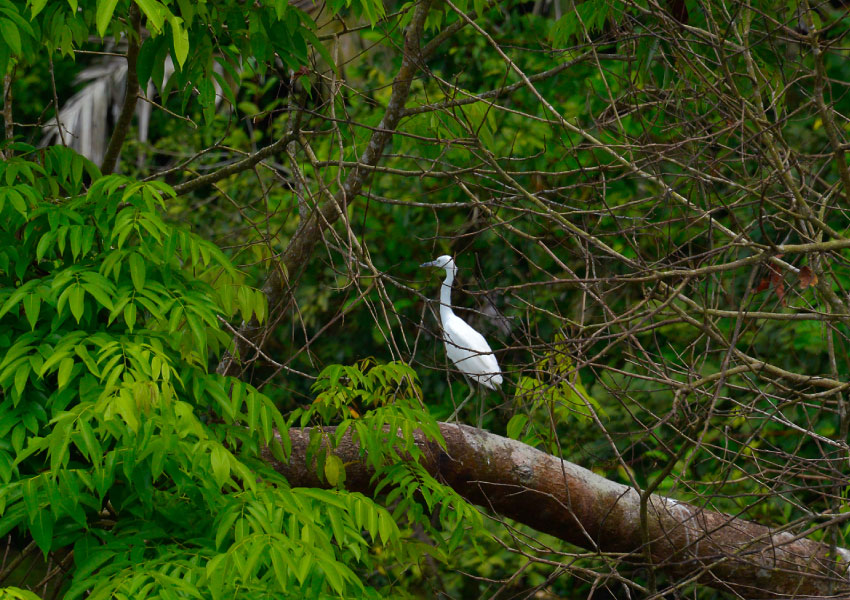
<point>465,400</point>
<point>481,400</point>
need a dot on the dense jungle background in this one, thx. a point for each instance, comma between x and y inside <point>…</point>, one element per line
<point>212,216</point>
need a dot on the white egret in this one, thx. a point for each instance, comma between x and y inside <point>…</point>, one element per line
<point>466,348</point>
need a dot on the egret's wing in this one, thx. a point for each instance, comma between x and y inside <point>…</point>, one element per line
<point>471,353</point>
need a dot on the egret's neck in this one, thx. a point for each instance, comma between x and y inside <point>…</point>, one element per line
<point>446,294</point>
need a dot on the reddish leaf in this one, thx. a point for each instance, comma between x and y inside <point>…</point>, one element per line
<point>779,286</point>
<point>775,281</point>
<point>807,277</point>
<point>538,182</point>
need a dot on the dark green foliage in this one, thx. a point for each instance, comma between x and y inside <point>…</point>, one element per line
<point>118,442</point>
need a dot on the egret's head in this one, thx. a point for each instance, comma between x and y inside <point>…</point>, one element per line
<point>442,262</point>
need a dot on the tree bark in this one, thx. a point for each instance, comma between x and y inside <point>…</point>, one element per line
<point>568,501</point>
<point>131,93</point>
<point>8,117</point>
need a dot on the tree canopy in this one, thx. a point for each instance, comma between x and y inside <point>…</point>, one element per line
<point>222,373</point>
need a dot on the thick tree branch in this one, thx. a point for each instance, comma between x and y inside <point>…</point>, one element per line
<point>131,94</point>
<point>297,253</point>
<point>574,504</point>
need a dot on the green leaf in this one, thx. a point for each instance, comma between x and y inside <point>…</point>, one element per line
<point>515,425</point>
<point>147,56</point>
<point>44,244</point>
<point>54,358</point>
<point>387,528</point>
<point>21,377</point>
<point>11,36</point>
<point>224,528</point>
<point>279,560</point>
<point>174,318</point>
<point>37,6</point>
<point>104,9</point>
<point>64,372</point>
<point>41,528</point>
<point>76,238</point>
<point>32,306</point>
<point>220,461</point>
<point>18,295</point>
<point>130,315</point>
<point>332,573</point>
<point>304,565</point>
<point>154,11</point>
<point>99,294</point>
<point>126,407</point>
<point>76,301</point>
<point>137,270</point>
<point>333,469</point>
<point>83,353</point>
<point>180,38</point>
<point>17,201</point>
<point>90,442</point>
<point>14,593</point>
<point>198,331</point>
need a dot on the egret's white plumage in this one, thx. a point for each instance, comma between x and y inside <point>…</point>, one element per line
<point>466,348</point>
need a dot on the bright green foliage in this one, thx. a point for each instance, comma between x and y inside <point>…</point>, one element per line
<point>385,434</point>
<point>13,593</point>
<point>116,439</point>
<point>148,462</point>
<point>17,37</point>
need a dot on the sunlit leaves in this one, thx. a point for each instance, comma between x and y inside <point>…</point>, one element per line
<point>254,532</point>
<point>14,593</point>
<point>180,39</point>
<point>16,34</point>
<point>381,413</point>
<point>104,11</point>
<point>155,12</point>
<point>106,331</point>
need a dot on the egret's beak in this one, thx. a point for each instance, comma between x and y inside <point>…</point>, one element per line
<point>428,264</point>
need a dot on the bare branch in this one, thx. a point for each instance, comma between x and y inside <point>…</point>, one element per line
<point>297,253</point>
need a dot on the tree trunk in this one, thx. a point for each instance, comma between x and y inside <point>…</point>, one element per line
<point>582,508</point>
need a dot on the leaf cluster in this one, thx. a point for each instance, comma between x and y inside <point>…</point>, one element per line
<point>116,441</point>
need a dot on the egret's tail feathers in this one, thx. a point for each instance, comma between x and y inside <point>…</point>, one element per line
<point>491,381</point>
